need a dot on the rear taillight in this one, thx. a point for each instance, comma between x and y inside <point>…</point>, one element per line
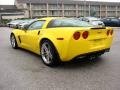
<point>108,32</point>
<point>85,34</point>
<point>76,35</point>
<point>111,32</point>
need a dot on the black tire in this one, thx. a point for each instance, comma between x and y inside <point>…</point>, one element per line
<point>50,57</point>
<point>13,41</point>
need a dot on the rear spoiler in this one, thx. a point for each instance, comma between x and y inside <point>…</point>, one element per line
<point>98,28</point>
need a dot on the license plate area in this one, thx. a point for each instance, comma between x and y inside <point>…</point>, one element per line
<point>97,43</point>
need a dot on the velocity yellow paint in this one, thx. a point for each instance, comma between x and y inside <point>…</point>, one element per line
<point>67,48</point>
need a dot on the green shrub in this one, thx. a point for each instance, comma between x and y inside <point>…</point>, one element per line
<point>5,21</point>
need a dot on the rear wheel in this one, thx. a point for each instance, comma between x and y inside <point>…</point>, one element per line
<point>49,54</point>
<point>13,41</point>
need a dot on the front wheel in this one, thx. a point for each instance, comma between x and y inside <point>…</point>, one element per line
<point>13,41</point>
<point>49,54</point>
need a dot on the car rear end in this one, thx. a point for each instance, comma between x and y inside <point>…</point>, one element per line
<point>87,41</point>
<point>76,38</point>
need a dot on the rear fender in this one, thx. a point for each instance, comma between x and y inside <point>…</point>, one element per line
<point>54,41</point>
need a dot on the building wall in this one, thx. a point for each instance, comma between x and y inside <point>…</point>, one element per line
<point>12,17</point>
<point>70,10</point>
<point>24,7</point>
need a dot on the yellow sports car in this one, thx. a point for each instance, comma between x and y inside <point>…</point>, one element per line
<point>62,39</point>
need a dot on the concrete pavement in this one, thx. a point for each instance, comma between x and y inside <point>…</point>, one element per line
<point>23,70</point>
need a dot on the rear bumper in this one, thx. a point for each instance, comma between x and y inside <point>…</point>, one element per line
<point>100,52</point>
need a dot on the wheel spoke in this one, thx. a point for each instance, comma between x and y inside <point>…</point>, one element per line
<point>13,41</point>
<point>46,53</point>
<point>48,58</point>
<point>50,55</point>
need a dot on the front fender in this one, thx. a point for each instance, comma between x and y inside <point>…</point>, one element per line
<point>16,34</point>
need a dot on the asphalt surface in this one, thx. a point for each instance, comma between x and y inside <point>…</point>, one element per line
<point>23,70</point>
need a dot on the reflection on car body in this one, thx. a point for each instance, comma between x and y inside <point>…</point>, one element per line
<point>93,20</point>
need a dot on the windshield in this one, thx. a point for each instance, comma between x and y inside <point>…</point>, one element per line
<point>14,21</point>
<point>94,19</point>
<point>68,23</point>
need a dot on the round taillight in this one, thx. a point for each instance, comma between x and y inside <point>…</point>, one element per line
<point>85,34</point>
<point>76,35</point>
<point>108,32</point>
<point>111,32</point>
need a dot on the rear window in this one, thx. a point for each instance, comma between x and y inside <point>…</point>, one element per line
<point>67,23</point>
<point>115,20</point>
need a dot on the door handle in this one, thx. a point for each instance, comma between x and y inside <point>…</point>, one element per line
<point>38,32</point>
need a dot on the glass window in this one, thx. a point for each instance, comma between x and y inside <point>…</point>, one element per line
<point>36,25</point>
<point>115,20</point>
<point>68,23</point>
<point>106,19</point>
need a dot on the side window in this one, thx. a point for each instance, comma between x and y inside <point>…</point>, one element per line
<point>105,20</point>
<point>108,19</point>
<point>115,20</point>
<point>54,23</point>
<point>36,25</point>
